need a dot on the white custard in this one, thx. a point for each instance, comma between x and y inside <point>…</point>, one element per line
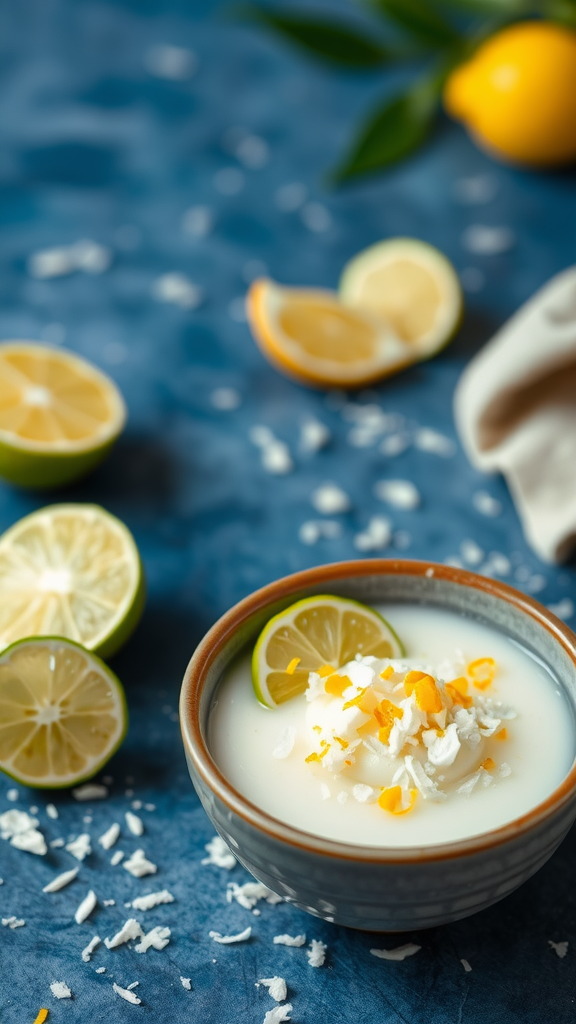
<point>521,728</point>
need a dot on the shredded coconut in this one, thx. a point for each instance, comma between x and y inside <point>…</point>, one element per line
<point>177,289</point>
<point>90,791</point>
<point>376,536</point>
<point>186,983</point>
<point>285,744</point>
<point>80,847</point>
<point>427,440</point>
<point>329,499</point>
<point>227,939</point>
<point>399,953</point>
<point>219,854</point>
<point>314,435</point>
<point>560,948</point>
<point>100,970</point>
<point>278,1014</point>
<point>157,938</point>
<point>110,836</point>
<point>174,63</point>
<point>276,987</point>
<point>289,940</point>
<point>60,990</point>
<point>129,930</point>
<point>86,907</point>
<point>51,811</point>
<point>126,994</point>
<point>486,504</point>
<point>116,857</point>
<point>250,893</point>
<point>484,240</point>
<point>135,824</point>
<point>89,949</point>
<point>317,953</point>
<point>153,899</point>
<point>31,841</point>
<point>466,965</point>
<point>13,922</point>
<point>225,399</point>
<point>312,530</point>
<point>399,493</point>
<point>138,866</point>
<point>12,795</point>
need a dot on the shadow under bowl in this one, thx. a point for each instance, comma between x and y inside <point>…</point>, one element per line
<point>367,887</point>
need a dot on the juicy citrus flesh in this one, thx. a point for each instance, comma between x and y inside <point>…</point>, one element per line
<point>517,94</point>
<point>62,712</point>
<point>409,284</point>
<point>55,401</point>
<point>67,570</point>
<point>320,631</point>
<point>311,335</point>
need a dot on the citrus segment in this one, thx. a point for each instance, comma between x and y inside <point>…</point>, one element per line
<point>320,631</point>
<point>72,571</point>
<point>62,712</point>
<point>309,334</point>
<point>59,415</point>
<point>412,286</point>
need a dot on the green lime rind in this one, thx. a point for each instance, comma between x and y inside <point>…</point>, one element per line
<point>123,704</point>
<point>261,691</point>
<point>43,471</point>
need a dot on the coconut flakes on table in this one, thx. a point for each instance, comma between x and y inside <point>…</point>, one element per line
<point>110,836</point>
<point>314,435</point>
<point>80,847</point>
<point>186,983</point>
<point>486,505</point>
<point>313,530</point>
<point>134,823</point>
<point>560,948</point>
<point>564,609</point>
<point>398,493</point>
<point>60,990</point>
<point>153,899</point>
<point>13,922</point>
<point>428,440</point>
<point>12,795</point>
<point>174,63</point>
<point>177,289</point>
<point>131,929</point>
<point>126,994</point>
<point>226,940</point>
<point>100,970</point>
<point>289,940</point>
<point>90,791</point>
<point>329,499</point>
<point>219,854</point>
<point>139,866</point>
<point>156,938</point>
<point>278,1014</point>
<point>52,811</point>
<point>317,953</point>
<point>376,536</point>
<point>89,949</point>
<point>274,454</point>
<point>395,444</point>
<point>465,965</point>
<point>250,893</point>
<point>20,829</point>
<point>116,858</point>
<point>86,907</point>
<point>277,988</point>
<point>285,743</point>
<point>472,553</point>
<point>399,953</point>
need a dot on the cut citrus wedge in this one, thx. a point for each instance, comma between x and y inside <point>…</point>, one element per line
<point>412,286</point>
<point>62,712</point>
<point>59,415</point>
<point>310,335</point>
<point>312,634</point>
<point>73,571</point>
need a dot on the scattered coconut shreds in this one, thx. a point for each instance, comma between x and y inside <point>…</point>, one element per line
<point>60,990</point>
<point>560,948</point>
<point>12,795</point>
<point>13,922</point>
<point>153,899</point>
<point>313,436</point>
<point>278,1014</point>
<point>289,940</point>
<point>564,609</point>
<point>466,965</point>
<point>486,505</point>
<point>186,983</point>
<point>225,399</point>
<point>126,994</point>
<point>398,493</point>
<point>100,970</point>
<point>225,940</point>
<point>86,907</point>
<point>110,836</point>
<point>80,847</point>
<point>250,893</point>
<point>135,824</point>
<point>219,854</point>
<point>90,791</point>
<point>285,743</point>
<point>485,240</point>
<point>157,938</point>
<point>329,499</point>
<point>317,953</point>
<point>174,63</point>
<point>312,530</point>
<point>89,949</point>
<point>61,880</point>
<point>138,866</point>
<point>177,289</point>
<point>108,903</point>
<point>376,536</point>
<point>400,953</point>
<point>427,440</point>
<point>20,828</point>
<point>56,844</point>
<point>116,857</point>
<point>472,553</point>
<point>276,986</point>
<point>32,842</point>
<point>52,811</point>
<point>129,930</point>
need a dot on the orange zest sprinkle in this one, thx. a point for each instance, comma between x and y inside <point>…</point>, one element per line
<point>368,728</point>
<point>502,735</point>
<point>385,714</point>
<point>387,673</point>
<point>427,695</point>
<point>460,684</point>
<point>325,670</point>
<point>410,680</point>
<point>488,764</point>
<point>316,728</point>
<point>343,743</point>
<point>42,1014</point>
<point>482,672</point>
<point>355,701</point>
<point>291,668</point>
<point>390,799</point>
<point>348,763</point>
<point>335,685</point>
<point>317,757</point>
<point>457,696</point>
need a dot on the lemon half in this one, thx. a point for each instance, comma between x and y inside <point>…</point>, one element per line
<point>59,415</point>
<point>62,712</point>
<point>325,630</point>
<point>72,571</point>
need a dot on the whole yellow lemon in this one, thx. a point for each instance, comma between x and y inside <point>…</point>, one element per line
<point>517,94</point>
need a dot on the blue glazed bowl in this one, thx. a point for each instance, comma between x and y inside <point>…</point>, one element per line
<point>372,888</point>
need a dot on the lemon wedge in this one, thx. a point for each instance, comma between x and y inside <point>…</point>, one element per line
<point>62,712</point>
<point>310,335</point>
<point>412,286</point>
<point>59,415</point>
<point>311,634</point>
<point>72,571</point>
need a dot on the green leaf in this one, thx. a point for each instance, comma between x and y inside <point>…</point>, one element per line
<point>420,19</point>
<point>395,130</point>
<point>336,42</point>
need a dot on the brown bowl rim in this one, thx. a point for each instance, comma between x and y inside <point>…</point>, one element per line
<point>224,628</point>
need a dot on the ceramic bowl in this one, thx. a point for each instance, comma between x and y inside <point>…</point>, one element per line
<point>380,889</point>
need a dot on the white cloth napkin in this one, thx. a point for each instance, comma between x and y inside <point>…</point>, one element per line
<point>515,409</point>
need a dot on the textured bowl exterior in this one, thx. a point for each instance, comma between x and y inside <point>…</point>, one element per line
<point>372,888</point>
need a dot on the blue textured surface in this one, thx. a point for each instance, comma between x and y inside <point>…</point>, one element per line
<point>92,142</point>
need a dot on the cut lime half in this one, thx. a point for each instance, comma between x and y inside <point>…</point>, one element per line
<point>316,631</point>
<point>62,712</point>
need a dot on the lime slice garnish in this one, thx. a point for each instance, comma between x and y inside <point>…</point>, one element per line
<point>62,712</point>
<point>72,571</point>
<point>59,415</point>
<point>318,631</point>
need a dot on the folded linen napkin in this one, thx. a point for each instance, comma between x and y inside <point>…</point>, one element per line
<point>515,409</point>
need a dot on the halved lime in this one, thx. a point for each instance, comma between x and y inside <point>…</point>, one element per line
<point>62,712</point>
<point>72,571</point>
<point>59,415</point>
<point>412,286</point>
<point>317,631</point>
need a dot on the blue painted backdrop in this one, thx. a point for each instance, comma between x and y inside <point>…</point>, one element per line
<point>97,144</point>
